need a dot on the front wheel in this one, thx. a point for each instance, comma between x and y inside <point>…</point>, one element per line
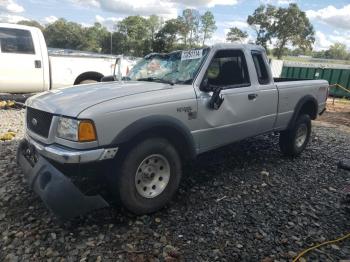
<point>293,142</point>
<point>149,176</point>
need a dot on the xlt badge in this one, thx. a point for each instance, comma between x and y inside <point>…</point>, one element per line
<point>188,110</point>
<point>185,109</point>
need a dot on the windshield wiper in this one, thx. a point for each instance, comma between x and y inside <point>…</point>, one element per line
<point>185,82</point>
<point>156,79</point>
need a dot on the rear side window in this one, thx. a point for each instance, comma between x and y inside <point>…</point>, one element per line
<point>16,41</point>
<point>228,69</point>
<point>260,67</point>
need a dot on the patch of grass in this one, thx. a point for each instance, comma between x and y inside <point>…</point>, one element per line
<point>313,60</point>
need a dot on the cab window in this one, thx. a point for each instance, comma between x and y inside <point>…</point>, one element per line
<point>228,69</point>
<point>16,41</point>
<point>260,67</point>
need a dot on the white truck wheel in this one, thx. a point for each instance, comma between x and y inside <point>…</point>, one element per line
<point>87,81</point>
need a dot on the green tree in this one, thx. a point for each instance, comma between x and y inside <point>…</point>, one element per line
<point>32,23</point>
<point>167,36</point>
<point>288,25</point>
<point>94,36</point>
<point>292,27</point>
<point>189,27</point>
<point>337,51</point>
<point>119,44</point>
<point>154,24</point>
<point>136,31</point>
<point>261,22</point>
<point>208,26</point>
<point>63,34</point>
<point>235,34</point>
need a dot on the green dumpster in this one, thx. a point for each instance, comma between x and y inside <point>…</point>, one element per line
<point>333,75</point>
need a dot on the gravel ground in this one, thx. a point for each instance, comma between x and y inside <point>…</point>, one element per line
<point>338,112</point>
<point>248,204</point>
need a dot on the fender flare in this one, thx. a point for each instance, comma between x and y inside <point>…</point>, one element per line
<point>298,107</point>
<point>142,126</point>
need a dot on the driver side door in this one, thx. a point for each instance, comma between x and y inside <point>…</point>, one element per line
<point>237,117</point>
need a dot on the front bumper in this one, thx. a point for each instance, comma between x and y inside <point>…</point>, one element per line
<point>56,190</point>
<point>65,155</point>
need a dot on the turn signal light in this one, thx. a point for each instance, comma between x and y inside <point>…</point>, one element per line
<point>86,131</point>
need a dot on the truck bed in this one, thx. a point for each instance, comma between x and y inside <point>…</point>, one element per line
<point>291,91</point>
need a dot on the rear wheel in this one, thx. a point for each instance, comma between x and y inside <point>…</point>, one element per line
<point>149,176</point>
<point>293,141</point>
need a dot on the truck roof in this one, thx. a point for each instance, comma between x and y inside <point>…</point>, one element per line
<point>17,26</point>
<point>238,45</point>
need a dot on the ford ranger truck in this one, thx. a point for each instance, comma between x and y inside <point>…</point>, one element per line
<point>169,109</point>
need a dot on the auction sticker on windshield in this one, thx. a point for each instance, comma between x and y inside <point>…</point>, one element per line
<point>191,54</point>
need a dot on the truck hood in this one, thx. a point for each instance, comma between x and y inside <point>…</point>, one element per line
<point>72,101</point>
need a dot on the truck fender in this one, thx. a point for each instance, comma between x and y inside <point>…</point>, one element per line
<point>166,126</point>
<point>308,105</point>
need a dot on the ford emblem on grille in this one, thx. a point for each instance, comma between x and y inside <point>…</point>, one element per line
<point>34,122</point>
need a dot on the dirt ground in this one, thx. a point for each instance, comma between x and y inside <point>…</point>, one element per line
<point>337,114</point>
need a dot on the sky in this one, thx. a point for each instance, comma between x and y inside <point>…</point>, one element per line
<point>331,18</point>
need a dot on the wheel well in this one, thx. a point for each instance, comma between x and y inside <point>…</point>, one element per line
<point>87,76</point>
<point>307,105</point>
<point>309,108</point>
<point>175,137</point>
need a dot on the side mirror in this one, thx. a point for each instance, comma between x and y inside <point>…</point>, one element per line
<point>216,99</point>
<point>205,86</point>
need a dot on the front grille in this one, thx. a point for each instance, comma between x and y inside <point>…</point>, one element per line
<point>39,121</point>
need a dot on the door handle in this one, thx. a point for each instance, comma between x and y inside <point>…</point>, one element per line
<point>37,63</point>
<point>252,96</point>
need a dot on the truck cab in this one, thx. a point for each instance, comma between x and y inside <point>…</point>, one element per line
<point>24,60</point>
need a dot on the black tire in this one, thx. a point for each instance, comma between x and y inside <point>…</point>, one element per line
<point>288,139</point>
<point>125,185</point>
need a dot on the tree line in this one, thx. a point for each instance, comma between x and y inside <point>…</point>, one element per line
<point>280,27</point>
<point>134,35</point>
<point>288,26</point>
<point>336,51</point>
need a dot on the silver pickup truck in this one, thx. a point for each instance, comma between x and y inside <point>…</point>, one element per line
<point>139,130</point>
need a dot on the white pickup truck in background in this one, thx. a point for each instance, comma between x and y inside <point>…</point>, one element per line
<point>26,66</point>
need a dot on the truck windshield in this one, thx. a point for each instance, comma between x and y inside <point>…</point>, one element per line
<point>175,67</point>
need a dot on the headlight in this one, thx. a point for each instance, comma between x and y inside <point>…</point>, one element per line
<point>76,130</point>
